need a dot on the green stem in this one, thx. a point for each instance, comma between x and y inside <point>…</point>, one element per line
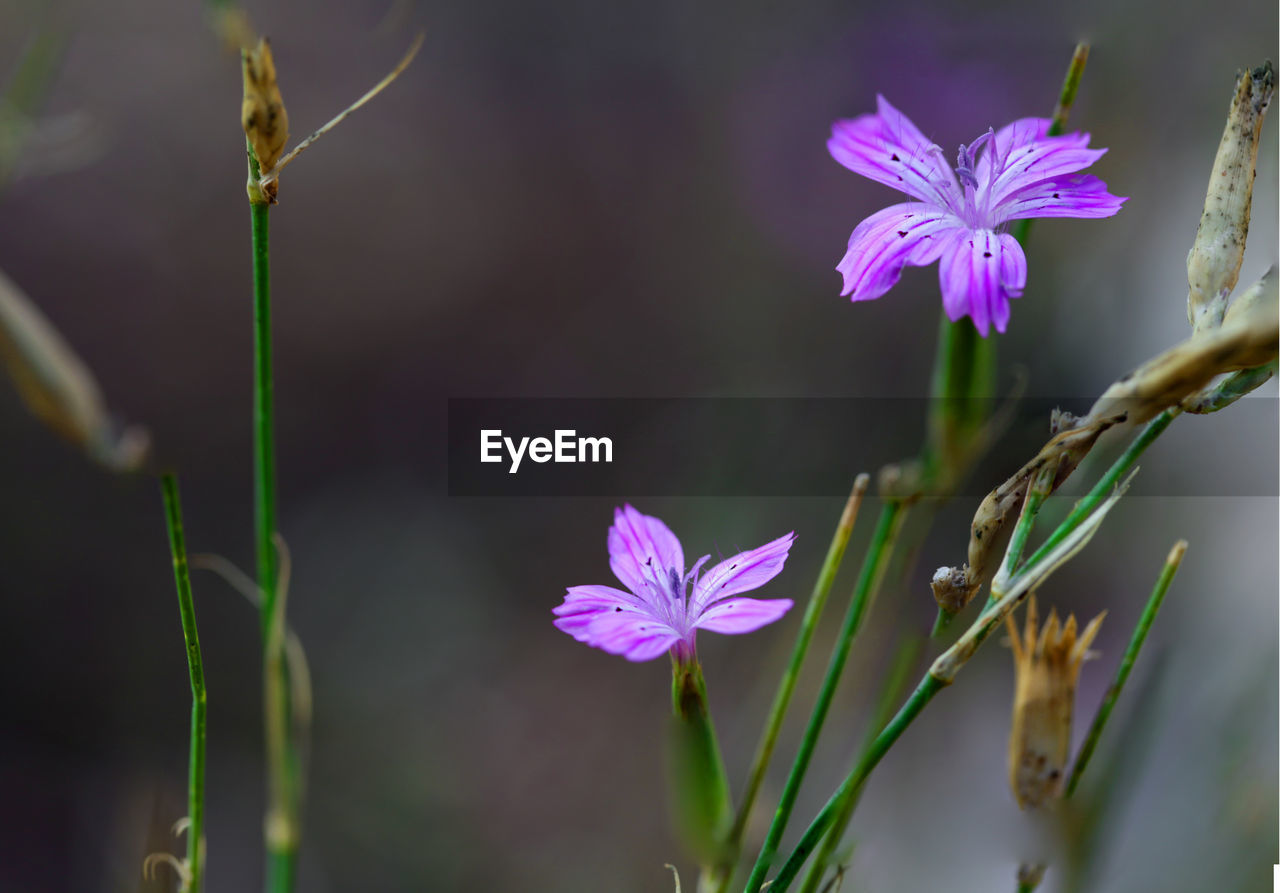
<point>877,558</point>
<point>963,380</point>
<point>895,682</point>
<point>930,685</point>
<point>1058,123</point>
<point>700,784</point>
<point>1126,663</point>
<point>199,707</point>
<point>940,623</point>
<point>924,692</point>
<point>1037,492</point>
<point>281,825</point>
<point>787,686</point>
<point>264,472</point>
<point>1105,484</point>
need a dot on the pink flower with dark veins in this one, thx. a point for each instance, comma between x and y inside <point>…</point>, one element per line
<point>958,216</point>
<point>664,605</point>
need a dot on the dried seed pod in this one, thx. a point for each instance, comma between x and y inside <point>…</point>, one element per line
<point>952,589</point>
<point>58,387</point>
<point>1046,667</point>
<point>1213,264</point>
<point>262,112</point>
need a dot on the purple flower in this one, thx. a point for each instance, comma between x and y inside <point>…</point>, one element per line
<point>957,216</point>
<point>660,611</point>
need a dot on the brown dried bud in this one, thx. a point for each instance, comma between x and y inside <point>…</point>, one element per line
<point>1213,264</point>
<point>1046,667</point>
<point>952,589</point>
<point>262,113</point>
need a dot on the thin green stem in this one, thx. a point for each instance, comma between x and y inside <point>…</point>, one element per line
<point>978,633</point>
<point>873,567</point>
<point>1136,640</point>
<point>787,686</point>
<point>1058,123</point>
<point>1037,492</point>
<point>264,471</point>
<point>895,682</point>
<point>940,623</point>
<point>1070,86</point>
<point>1106,484</point>
<point>199,707</point>
<point>282,823</point>
<point>924,692</point>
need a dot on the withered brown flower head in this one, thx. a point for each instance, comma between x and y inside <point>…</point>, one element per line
<point>1046,666</point>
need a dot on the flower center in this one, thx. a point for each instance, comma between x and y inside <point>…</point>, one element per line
<point>967,174</point>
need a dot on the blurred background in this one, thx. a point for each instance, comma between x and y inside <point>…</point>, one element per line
<point>594,200</point>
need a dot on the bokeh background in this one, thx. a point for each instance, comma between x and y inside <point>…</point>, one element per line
<point>602,200</point>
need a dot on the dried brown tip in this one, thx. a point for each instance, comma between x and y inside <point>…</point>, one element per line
<point>262,112</point>
<point>952,588</point>
<point>1046,668</point>
<point>1213,264</point>
<point>231,25</point>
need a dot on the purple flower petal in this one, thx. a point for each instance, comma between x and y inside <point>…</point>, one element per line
<point>1075,195</point>
<point>582,604</point>
<point>642,550</point>
<point>741,573</point>
<point>743,615</point>
<point>1049,157</point>
<point>979,273</point>
<point>634,636</point>
<point>888,148</point>
<point>660,614</point>
<point>887,241</point>
<point>1016,172</point>
<point>1008,139</point>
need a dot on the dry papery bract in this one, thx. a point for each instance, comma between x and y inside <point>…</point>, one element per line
<point>1046,667</point>
<point>266,123</point>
